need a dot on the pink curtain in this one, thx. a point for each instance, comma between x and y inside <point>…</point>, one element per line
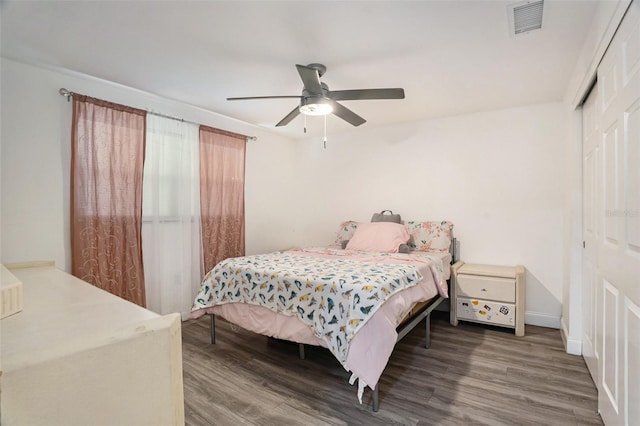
<point>222,158</point>
<point>107,156</point>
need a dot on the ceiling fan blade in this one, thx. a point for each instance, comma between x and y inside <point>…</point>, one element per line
<point>310,79</point>
<point>263,97</point>
<point>293,114</point>
<point>347,115</point>
<point>354,95</point>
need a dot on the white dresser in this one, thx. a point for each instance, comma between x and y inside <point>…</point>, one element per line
<point>77,355</point>
<point>489,294</point>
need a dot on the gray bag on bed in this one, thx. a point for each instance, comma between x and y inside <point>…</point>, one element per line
<point>384,217</point>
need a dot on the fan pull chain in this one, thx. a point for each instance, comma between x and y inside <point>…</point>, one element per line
<point>325,132</point>
<point>305,123</point>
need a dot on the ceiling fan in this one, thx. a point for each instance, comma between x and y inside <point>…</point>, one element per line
<point>317,99</point>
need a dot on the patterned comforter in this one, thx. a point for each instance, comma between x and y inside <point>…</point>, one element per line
<point>333,293</point>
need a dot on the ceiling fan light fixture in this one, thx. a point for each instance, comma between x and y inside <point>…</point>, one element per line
<point>315,106</point>
<point>317,99</point>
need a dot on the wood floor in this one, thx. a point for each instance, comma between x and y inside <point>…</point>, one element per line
<point>471,375</point>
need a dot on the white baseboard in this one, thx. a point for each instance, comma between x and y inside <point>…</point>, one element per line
<point>572,346</point>
<point>541,319</point>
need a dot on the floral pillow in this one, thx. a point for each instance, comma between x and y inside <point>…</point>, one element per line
<point>430,236</point>
<point>346,231</point>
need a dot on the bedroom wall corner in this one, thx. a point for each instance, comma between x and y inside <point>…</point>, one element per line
<point>572,238</point>
<point>271,207</point>
<point>32,224</point>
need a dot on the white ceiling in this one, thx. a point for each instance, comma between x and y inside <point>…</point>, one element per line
<point>451,57</point>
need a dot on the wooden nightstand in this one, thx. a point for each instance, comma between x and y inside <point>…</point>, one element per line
<point>489,294</point>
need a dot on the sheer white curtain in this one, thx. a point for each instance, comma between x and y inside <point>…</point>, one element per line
<point>171,237</point>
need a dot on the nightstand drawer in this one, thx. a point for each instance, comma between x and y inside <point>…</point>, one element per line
<point>486,311</point>
<point>487,288</point>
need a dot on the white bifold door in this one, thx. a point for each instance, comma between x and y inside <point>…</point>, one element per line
<point>611,218</point>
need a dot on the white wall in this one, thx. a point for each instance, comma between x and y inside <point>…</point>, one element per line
<point>496,175</point>
<point>35,135</point>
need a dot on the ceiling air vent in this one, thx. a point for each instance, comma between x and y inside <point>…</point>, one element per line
<point>525,16</point>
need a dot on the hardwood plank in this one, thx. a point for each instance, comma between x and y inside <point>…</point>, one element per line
<point>472,374</point>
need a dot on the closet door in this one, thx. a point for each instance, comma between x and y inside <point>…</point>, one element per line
<point>592,329</point>
<point>618,223</point>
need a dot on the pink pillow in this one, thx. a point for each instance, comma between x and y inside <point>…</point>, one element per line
<point>379,236</point>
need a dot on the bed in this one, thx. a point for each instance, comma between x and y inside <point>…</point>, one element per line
<point>356,298</point>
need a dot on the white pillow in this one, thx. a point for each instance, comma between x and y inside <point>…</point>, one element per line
<point>379,236</point>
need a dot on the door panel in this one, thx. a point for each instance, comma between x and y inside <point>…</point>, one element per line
<point>611,174</point>
<point>631,54</point>
<point>632,361</point>
<point>590,294</point>
<point>610,349</point>
<point>617,210</point>
<point>608,81</point>
<point>632,157</point>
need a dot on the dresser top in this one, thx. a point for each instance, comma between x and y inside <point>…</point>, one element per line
<point>488,270</point>
<point>60,310</point>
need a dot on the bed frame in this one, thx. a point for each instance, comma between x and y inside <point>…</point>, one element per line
<point>423,314</point>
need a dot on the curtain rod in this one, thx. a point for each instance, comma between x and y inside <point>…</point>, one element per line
<point>68,94</point>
